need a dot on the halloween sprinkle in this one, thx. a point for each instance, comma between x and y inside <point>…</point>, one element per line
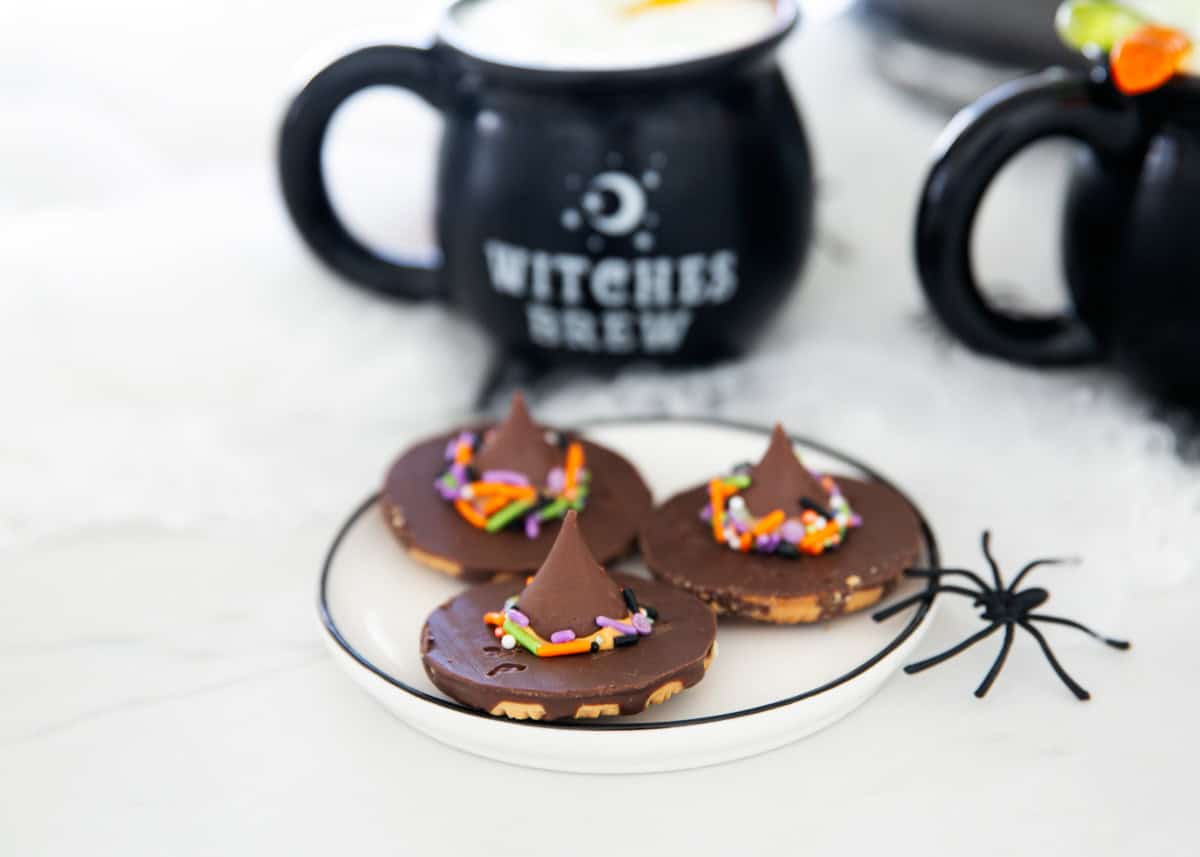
<point>815,530</point>
<point>512,628</point>
<point>502,499</point>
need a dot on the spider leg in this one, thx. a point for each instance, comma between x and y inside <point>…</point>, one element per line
<point>937,572</point>
<point>951,652</point>
<point>987,552</point>
<point>1070,623</point>
<point>926,595</point>
<point>998,664</point>
<point>1074,686</point>
<point>1038,562</point>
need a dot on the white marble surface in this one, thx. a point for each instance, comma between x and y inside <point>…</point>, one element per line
<point>191,405</point>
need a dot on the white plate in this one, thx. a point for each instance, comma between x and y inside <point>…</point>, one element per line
<point>768,686</point>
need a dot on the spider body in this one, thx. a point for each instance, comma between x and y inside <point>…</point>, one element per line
<point>1004,607</point>
<point>1000,605</point>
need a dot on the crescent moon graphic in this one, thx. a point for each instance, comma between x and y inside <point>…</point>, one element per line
<point>631,204</point>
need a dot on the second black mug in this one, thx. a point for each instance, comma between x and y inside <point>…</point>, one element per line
<point>1131,230</point>
<point>604,215</point>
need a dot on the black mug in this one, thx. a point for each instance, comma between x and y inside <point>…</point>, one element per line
<point>599,215</point>
<point>1131,231</point>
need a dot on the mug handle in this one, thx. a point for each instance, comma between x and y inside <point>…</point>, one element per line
<point>974,147</point>
<point>300,143</point>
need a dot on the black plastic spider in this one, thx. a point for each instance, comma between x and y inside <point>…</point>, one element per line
<point>1003,607</point>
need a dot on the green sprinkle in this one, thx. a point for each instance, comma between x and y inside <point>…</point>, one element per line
<point>521,636</point>
<point>737,481</point>
<point>507,515</point>
<point>555,510</point>
<point>448,480</point>
<point>1095,26</point>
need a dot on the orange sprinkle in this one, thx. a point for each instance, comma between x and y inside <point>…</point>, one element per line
<point>501,489</point>
<point>1147,58</point>
<point>768,524</point>
<point>717,499</point>
<point>744,542</point>
<point>493,504</point>
<point>494,618</point>
<point>575,647</point>
<point>571,468</point>
<point>468,511</point>
<point>529,580</point>
<point>462,453</point>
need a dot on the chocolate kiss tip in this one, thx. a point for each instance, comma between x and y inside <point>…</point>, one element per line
<point>779,479</point>
<point>517,443</point>
<point>570,589</point>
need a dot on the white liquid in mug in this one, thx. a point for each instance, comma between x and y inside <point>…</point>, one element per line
<point>608,34</point>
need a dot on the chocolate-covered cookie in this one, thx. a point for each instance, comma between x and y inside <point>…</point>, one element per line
<point>573,642</point>
<point>485,503</point>
<point>776,543</point>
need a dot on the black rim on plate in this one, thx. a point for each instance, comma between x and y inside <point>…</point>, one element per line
<point>922,609</point>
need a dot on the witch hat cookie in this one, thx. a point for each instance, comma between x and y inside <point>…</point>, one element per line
<point>485,502</point>
<point>574,642</point>
<point>778,543</point>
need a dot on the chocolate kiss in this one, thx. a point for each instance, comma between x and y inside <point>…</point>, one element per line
<point>779,480</point>
<point>570,589</point>
<point>518,444</point>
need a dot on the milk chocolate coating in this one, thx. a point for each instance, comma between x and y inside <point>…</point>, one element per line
<point>466,661</point>
<point>780,480</point>
<point>571,589</point>
<point>518,444</point>
<point>617,501</point>
<point>679,549</point>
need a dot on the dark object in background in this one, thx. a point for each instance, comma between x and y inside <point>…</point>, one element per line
<point>1012,32</point>
<point>586,216</point>
<point>1131,247</point>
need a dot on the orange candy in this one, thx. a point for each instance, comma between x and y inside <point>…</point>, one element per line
<point>1147,58</point>
<point>768,524</point>
<point>468,511</point>
<point>716,496</point>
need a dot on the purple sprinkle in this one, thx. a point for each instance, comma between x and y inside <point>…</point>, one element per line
<point>460,472</point>
<point>739,526</point>
<point>792,530</point>
<point>767,542</point>
<point>623,627</point>
<point>564,636</point>
<point>641,624</point>
<point>518,617</point>
<point>556,480</point>
<point>446,491</point>
<point>706,513</point>
<point>532,527</point>
<point>856,520</point>
<point>507,477</point>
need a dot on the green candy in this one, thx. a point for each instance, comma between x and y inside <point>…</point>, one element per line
<point>521,635</point>
<point>739,481</point>
<point>555,510</point>
<point>1095,26</point>
<point>505,516</point>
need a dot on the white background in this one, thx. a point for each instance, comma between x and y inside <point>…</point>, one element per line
<point>191,404</point>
